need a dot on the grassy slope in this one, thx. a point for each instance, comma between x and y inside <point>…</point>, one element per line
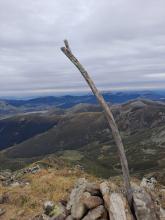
<point>87,133</point>
<point>49,184</point>
<point>14,130</point>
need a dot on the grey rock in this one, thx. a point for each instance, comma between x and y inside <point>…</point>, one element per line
<point>41,217</point>
<point>58,212</point>
<point>144,205</point>
<point>69,217</point>
<point>91,201</point>
<point>2,211</point>
<point>119,208</point>
<point>77,208</point>
<point>97,213</point>
<point>115,203</point>
<point>162,213</point>
<point>76,193</point>
<point>48,207</point>
<point>32,170</point>
<point>148,183</point>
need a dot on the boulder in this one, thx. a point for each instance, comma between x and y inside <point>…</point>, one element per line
<point>119,208</point>
<point>77,208</point>
<point>143,205</point>
<point>76,192</point>
<point>115,203</point>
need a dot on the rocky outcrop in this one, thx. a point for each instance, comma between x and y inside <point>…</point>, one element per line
<point>91,201</point>
<point>8,178</point>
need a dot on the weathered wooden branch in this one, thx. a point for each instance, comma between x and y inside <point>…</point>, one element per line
<point>115,132</point>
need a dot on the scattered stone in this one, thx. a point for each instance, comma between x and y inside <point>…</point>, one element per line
<point>149,183</point>
<point>79,167</point>
<point>32,170</point>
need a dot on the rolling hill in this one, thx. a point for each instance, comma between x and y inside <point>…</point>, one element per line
<point>81,136</point>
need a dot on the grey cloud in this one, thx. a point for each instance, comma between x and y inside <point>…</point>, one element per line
<point>119,42</point>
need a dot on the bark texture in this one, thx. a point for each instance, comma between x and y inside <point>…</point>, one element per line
<point>111,121</point>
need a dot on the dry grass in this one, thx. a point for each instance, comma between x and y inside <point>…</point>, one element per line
<point>48,184</point>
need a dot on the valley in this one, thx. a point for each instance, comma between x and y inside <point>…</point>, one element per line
<point>80,136</point>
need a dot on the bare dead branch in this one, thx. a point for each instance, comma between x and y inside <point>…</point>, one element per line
<point>67,45</point>
<point>111,121</point>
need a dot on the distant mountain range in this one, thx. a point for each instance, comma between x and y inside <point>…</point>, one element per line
<point>9,107</point>
<point>80,135</point>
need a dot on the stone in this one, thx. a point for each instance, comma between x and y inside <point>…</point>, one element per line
<point>143,205</point>
<point>96,213</point>
<point>91,201</point>
<point>59,217</point>
<point>105,191</point>
<point>48,207</point>
<point>41,217</point>
<point>162,213</point>
<point>58,212</point>
<point>32,170</point>
<point>93,189</point>
<point>115,203</point>
<point>149,183</point>
<point>119,208</point>
<point>2,178</point>
<point>2,211</point>
<point>76,192</point>
<point>69,217</point>
<point>77,208</point>
<point>15,184</point>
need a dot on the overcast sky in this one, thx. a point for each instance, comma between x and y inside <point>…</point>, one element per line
<point>120,42</point>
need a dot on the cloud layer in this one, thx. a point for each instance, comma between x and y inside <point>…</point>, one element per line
<point>121,43</point>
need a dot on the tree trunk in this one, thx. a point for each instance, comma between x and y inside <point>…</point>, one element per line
<point>115,132</point>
